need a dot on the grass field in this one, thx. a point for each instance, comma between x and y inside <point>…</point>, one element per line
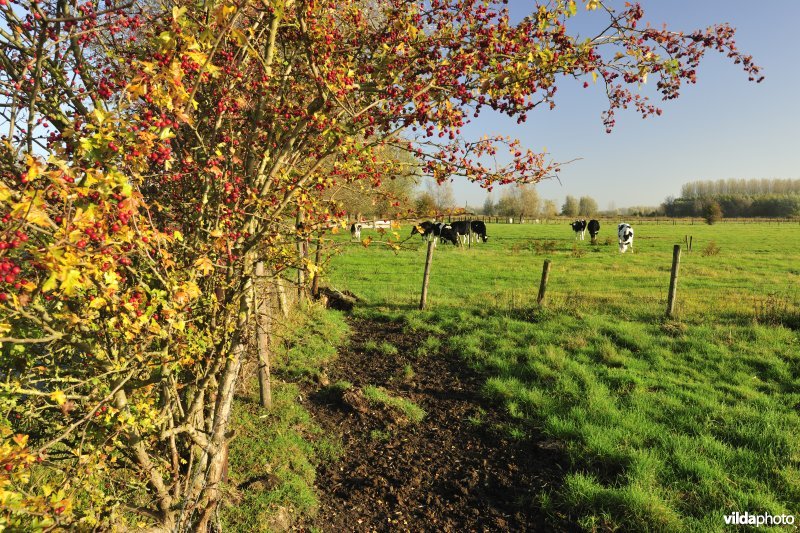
<point>668,424</point>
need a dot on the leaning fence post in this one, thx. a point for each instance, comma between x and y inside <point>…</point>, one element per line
<point>673,279</point>
<point>426,275</point>
<point>543,283</point>
<point>262,337</point>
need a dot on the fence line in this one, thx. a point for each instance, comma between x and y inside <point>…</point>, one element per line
<point>672,221</point>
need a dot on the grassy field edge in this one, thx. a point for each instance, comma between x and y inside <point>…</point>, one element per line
<point>275,453</point>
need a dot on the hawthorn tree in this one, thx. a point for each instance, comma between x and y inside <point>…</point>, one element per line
<point>153,152</point>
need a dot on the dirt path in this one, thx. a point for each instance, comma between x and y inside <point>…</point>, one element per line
<point>454,471</point>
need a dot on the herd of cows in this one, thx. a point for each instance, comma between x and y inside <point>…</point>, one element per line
<point>458,233</point>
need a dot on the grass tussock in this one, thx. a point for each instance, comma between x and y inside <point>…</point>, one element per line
<point>403,406</point>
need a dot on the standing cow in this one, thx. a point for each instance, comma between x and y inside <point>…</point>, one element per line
<point>579,227</point>
<point>625,233</point>
<point>594,229</point>
<point>355,231</point>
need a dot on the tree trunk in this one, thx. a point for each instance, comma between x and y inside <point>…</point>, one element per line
<point>220,417</point>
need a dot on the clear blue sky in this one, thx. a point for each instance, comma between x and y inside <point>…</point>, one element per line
<point>723,127</point>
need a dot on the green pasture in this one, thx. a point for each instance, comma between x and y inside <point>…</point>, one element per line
<point>667,425</point>
<point>756,269</point>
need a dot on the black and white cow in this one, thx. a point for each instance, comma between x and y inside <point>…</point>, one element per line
<point>625,233</point>
<point>594,229</point>
<point>426,227</point>
<point>479,229</point>
<point>437,231</point>
<point>355,231</point>
<point>448,234</point>
<point>461,227</point>
<point>579,227</point>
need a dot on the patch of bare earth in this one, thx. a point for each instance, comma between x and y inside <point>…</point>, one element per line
<point>457,470</point>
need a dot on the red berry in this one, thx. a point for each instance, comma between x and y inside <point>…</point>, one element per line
<point>3,297</point>
<point>9,467</point>
<point>81,244</point>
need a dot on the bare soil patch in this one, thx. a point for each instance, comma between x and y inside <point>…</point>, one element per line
<point>457,470</point>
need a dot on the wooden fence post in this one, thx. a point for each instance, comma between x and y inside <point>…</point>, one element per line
<point>315,281</point>
<point>426,276</point>
<point>302,253</point>
<point>262,337</point>
<point>543,283</point>
<point>690,242</point>
<point>283,304</point>
<point>673,280</point>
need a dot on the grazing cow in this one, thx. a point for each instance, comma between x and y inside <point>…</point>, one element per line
<point>579,227</point>
<point>625,232</point>
<point>479,229</point>
<point>461,227</point>
<point>448,234</point>
<point>427,229</point>
<point>436,231</point>
<point>355,231</point>
<point>594,229</point>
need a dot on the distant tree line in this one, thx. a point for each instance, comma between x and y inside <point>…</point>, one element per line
<point>737,198</point>
<point>740,187</point>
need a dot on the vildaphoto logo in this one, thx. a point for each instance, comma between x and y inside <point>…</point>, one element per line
<point>758,520</point>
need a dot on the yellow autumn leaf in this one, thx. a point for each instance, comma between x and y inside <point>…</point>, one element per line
<point>50,284</point>
<point>177,12</point>
<point>205,265</point>
<point>59,397</point>
<point>591,5</point>
<point>99,114</point>
<point>5,193</point>
<point>111,279</point>
<point>71,282</point>
<point>20,440</point>
<point>34,167</point>
<point>98,303</point>
<point>31,209</point>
